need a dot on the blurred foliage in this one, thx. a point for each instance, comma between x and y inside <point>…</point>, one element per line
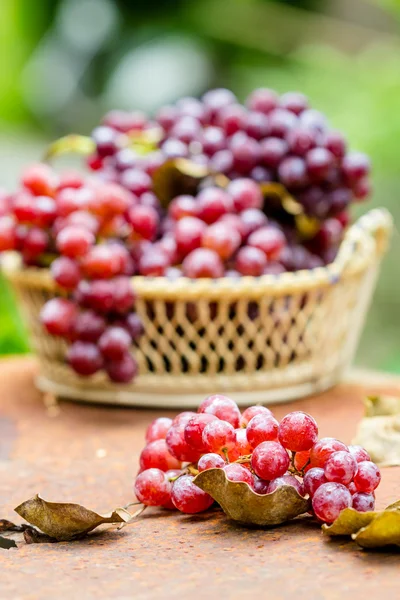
<point>63,71</point>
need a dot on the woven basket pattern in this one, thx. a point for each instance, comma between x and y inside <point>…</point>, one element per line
<point>273,337</point>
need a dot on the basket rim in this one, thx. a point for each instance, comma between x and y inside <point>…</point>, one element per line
<point>365,240</point>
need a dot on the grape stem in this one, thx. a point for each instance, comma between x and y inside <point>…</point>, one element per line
<point>135,514</point>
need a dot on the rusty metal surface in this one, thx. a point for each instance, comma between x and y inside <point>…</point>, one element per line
<point>89,455</point>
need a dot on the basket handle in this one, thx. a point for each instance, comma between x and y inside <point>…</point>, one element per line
<point>370,235</point>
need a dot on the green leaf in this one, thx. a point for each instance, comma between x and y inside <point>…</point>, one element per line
<point>242,504</point>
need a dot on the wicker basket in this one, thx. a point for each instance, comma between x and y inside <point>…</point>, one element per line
<point>266,339</point>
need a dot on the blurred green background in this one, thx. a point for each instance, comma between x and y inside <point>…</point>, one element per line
<point>66,62</point>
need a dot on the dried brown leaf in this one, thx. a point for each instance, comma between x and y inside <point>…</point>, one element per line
<point>373,529</point>
<point>64,521</point>
<point>384,530</point>
<point>242,504</point>
<point>349,521</point>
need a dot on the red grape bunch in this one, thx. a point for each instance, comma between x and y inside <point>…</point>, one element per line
<point>254,448</point>
<point>74,225</point>
<point>270,138</point>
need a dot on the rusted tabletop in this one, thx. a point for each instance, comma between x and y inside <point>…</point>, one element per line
<point>90,454</point>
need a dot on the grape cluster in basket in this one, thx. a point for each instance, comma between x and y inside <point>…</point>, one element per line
<point>273,195</point>
<point>254,448</point>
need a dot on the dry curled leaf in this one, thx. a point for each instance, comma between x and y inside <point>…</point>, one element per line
<point>65,521</point>
<point>349,521</point>
<point>384,530</point>
<point>379,431</point>
<point>175,177</point>
<point>242,504</point>
<point>373,529</point>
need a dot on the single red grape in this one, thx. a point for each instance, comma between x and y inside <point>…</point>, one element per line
<point>363,502</point>
<point>65,272</point>
<point>88,326</point>
<point>221,238</point>
<point>250,261</point>
<point>262,428</point>
<point>102,262</point>
<point>262,100</point>
<point>222,407</point>
<point>74,241</point>
<point>39,179</point>
<point>368,476</point>
<point>270,460</point>
<point>156,455</point>
<point>189,233</point>
<point>219,437</point>
<point>84,358</point>
<point>152,487</point>
<point>114,343</point>
<point>313,479</point>
<point>203,262</point>
<point>329,500</point>
<point>210,461</point>
<point>122,370</point>
<point>158,429</point>
<point>245,194</point>
<point>58,316</point>
<point>213,202</point>
<point>236,472</point>
<point>260,486</point>
<point>268,239</point>
<point>340,467</point>
<point>188,498</point>
<point>298,431</point>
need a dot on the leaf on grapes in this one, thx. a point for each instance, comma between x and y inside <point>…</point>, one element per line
<point>75,144</point>
<point>64,521</point>
<point>175,177</point>
<point>242,504</point>
<point>384,530</point>
<point>349,521</point>
<point>307,226</point>
<point>380,436</point>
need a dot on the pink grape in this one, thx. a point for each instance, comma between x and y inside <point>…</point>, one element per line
<point>329,500</point>
<point>210,460</point>
<point>262,428</point>
<point>236,472</point>
<point>270,460</point>
<point>156,454</point>
<point>158,429</point>
<point>298,431</point>
<point>251,412</point>
<point>152,487</point>
<point>340,467</point>
<point>222,407</point>
<point>368,477</point>
<point>188,498</point>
